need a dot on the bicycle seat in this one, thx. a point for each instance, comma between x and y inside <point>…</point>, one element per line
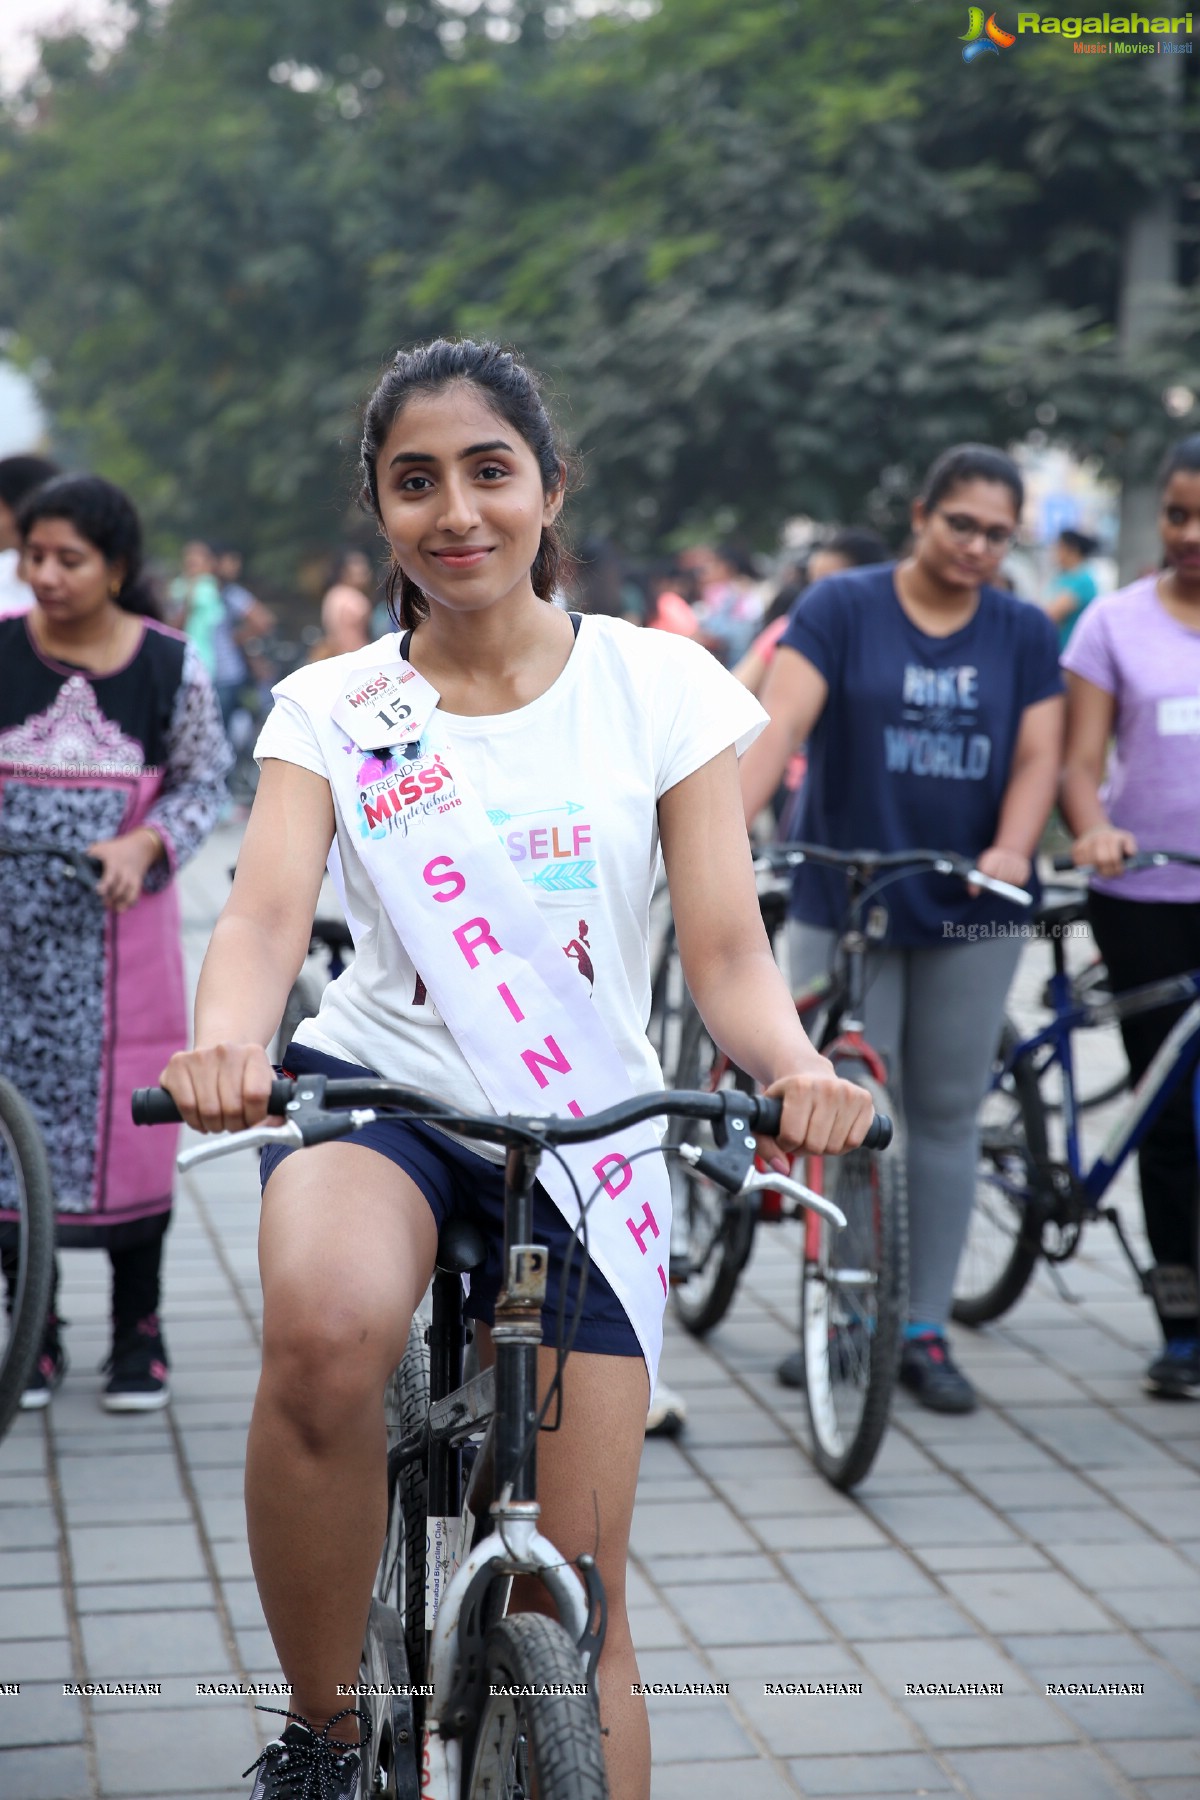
<point>462,1247</point>
<point>1061,908</point>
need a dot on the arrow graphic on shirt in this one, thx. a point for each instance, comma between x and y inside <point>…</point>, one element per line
<point>499,817</point>
<point>558,878</point>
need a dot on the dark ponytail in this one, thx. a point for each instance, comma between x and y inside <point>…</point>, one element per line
<point>106,517</point>
<point>512,392</point>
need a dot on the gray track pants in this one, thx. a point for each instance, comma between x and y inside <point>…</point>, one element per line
<point>934,1015</point>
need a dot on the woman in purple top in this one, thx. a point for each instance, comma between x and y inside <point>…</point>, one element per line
<point>1133,674</point>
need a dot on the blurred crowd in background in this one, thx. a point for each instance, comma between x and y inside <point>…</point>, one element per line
<point>732,600</point>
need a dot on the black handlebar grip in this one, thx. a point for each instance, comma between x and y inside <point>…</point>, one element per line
<point>768,1115</point>
<point>1063,863</point>
<point>154,1106</point>
<point>880,1134</point>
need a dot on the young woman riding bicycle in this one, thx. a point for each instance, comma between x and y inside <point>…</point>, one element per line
<point>1133,675</point>
<point>931,704</point>
<point>586,740</point>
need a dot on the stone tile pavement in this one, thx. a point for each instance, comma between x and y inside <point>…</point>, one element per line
<point>1053,1537</point>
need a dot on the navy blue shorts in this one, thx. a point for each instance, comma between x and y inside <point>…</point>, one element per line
<point>454,1180</point>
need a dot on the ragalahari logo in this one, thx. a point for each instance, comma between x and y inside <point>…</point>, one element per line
<point>981,39</point>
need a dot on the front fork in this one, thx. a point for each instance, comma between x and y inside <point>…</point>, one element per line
<point>470,1593</point>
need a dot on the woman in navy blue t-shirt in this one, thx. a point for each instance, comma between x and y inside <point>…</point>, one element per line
<point>932,706</point>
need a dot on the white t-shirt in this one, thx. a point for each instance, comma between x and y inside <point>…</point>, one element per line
<point>571,783</point>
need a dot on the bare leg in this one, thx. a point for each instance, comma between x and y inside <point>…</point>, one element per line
<point>587,1479</point>
<point>346,1248</point>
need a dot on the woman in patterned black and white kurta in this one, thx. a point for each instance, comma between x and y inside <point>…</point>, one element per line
<point>111,742</point>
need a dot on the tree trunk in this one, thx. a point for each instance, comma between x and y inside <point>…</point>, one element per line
<point>1149,283</point>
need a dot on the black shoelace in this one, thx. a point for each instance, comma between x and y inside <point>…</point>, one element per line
<point>312,1771</point>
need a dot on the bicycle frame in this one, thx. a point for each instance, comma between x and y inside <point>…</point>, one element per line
<point>1177,1056</point>
<point>457,1586</point>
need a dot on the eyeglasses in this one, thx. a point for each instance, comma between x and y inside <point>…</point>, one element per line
<point>964,528</point>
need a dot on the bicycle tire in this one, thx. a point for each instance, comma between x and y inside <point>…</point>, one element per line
<point>402,1569</point>
<point>853,1301</point>
<point>720,1226</point>
<point>31,1234</point>
<point>666,1002</point>
<point>1013,1145</point>
<point>395,1644</point>
<point>550,1737</point>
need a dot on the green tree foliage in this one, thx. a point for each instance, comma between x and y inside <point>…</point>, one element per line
<point>774,258</point>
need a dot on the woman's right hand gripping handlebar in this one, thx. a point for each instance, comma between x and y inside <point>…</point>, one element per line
<point>821,1113</point>
<point>220,1087</point>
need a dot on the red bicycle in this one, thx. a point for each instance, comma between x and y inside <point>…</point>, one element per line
<point>854,1282</point>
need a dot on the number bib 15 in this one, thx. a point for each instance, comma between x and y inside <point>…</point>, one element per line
<point>385,704</point>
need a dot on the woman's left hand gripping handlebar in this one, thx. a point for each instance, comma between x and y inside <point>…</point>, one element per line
<point>821,1113</point>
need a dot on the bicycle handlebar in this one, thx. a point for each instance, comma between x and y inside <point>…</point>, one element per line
<point>779,857</point>
<point>1064,863</point>
<point>154,1106</point>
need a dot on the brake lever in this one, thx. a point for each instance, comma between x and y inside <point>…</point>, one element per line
<point>1005,890</point>
<point>316,1128</point>
<point>224,1143</point>
<point>784,1184</point>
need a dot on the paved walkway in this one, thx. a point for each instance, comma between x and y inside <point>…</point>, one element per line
<point>1053,1537</point>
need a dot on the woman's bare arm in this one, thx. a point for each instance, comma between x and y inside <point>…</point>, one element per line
<point>1091,714</point>
<point>1029,795</point>
<point>256,951</point>
<point>742,997</point>
<point>794,696</point>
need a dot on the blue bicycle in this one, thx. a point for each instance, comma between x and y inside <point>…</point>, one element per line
<point>1033,1195</point>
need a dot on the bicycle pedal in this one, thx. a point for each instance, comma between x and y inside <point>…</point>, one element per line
<point>1173,1289</point>
<point>680,1271</point>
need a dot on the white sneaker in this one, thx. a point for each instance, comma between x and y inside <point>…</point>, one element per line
<point>668,1412</point>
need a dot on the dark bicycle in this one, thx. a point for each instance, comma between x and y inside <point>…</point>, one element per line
<point>510,1707</point>
<point>854,1286</point>
<point>26,1192</point>
<point>1032,1201</point>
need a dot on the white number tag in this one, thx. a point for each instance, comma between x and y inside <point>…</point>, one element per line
<point>1179,718</point>
<point>383,704</point>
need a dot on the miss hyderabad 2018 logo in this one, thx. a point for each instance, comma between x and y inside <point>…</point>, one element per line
<point>1161,36</point>
<point>980,39</point>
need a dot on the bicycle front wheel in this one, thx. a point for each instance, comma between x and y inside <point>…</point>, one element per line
<point>1004,1232</point>
<point>853,1296</point>
<point>535,1735</point>
<point>27,1240</point>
